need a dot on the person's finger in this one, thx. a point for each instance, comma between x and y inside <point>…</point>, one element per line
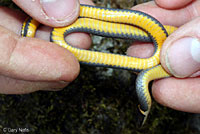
<point>179,94</point>
<point>86,2</point>
<point>35,59</point>
<point>141,50</point>
<point>180,54</point>
<point>173,4</point>
<point>17,86</point>
<point>166,17</point>
<point>192,10</point>
<point>176,17</point>
<point>53,13</point>
<point>79,40</point>
<point>13,20</point>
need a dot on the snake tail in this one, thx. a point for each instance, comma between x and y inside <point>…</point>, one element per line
<point>142,91</point>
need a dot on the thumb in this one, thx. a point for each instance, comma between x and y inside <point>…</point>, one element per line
<point>54,13</point>
<point>180,54</point>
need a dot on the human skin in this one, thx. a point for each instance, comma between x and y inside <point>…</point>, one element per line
<point>180,93</point>
<point>31,64</point>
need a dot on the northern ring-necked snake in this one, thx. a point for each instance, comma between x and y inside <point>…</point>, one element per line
<point>118,23</point>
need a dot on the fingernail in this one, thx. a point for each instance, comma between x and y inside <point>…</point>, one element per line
<point>60,10</point>
<point>183,57</point>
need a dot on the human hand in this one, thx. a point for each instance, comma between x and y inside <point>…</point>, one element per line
<point>31,64</point>
<point>180,54</point>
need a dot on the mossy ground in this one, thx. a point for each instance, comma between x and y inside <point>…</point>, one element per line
<point>99,101</point>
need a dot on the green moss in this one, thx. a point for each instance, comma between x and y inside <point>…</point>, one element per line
<point>99,101</point>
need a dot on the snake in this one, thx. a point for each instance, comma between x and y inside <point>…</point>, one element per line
<point>115,23</point>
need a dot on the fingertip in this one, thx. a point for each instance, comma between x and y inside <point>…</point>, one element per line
<point>179,94</point>
<point>172,4</point>
<point>54,13</point>
<point>182,57</point>
<point>61,63</point>
<point>142,50</point>
<point>87,2</point>
<point>180,13</point>
<point>181,51</point>
<point>70,68</point>
<point>61,12</point>
<point>79,40</point>
<point>36,60</point>
<point>159,91</point>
